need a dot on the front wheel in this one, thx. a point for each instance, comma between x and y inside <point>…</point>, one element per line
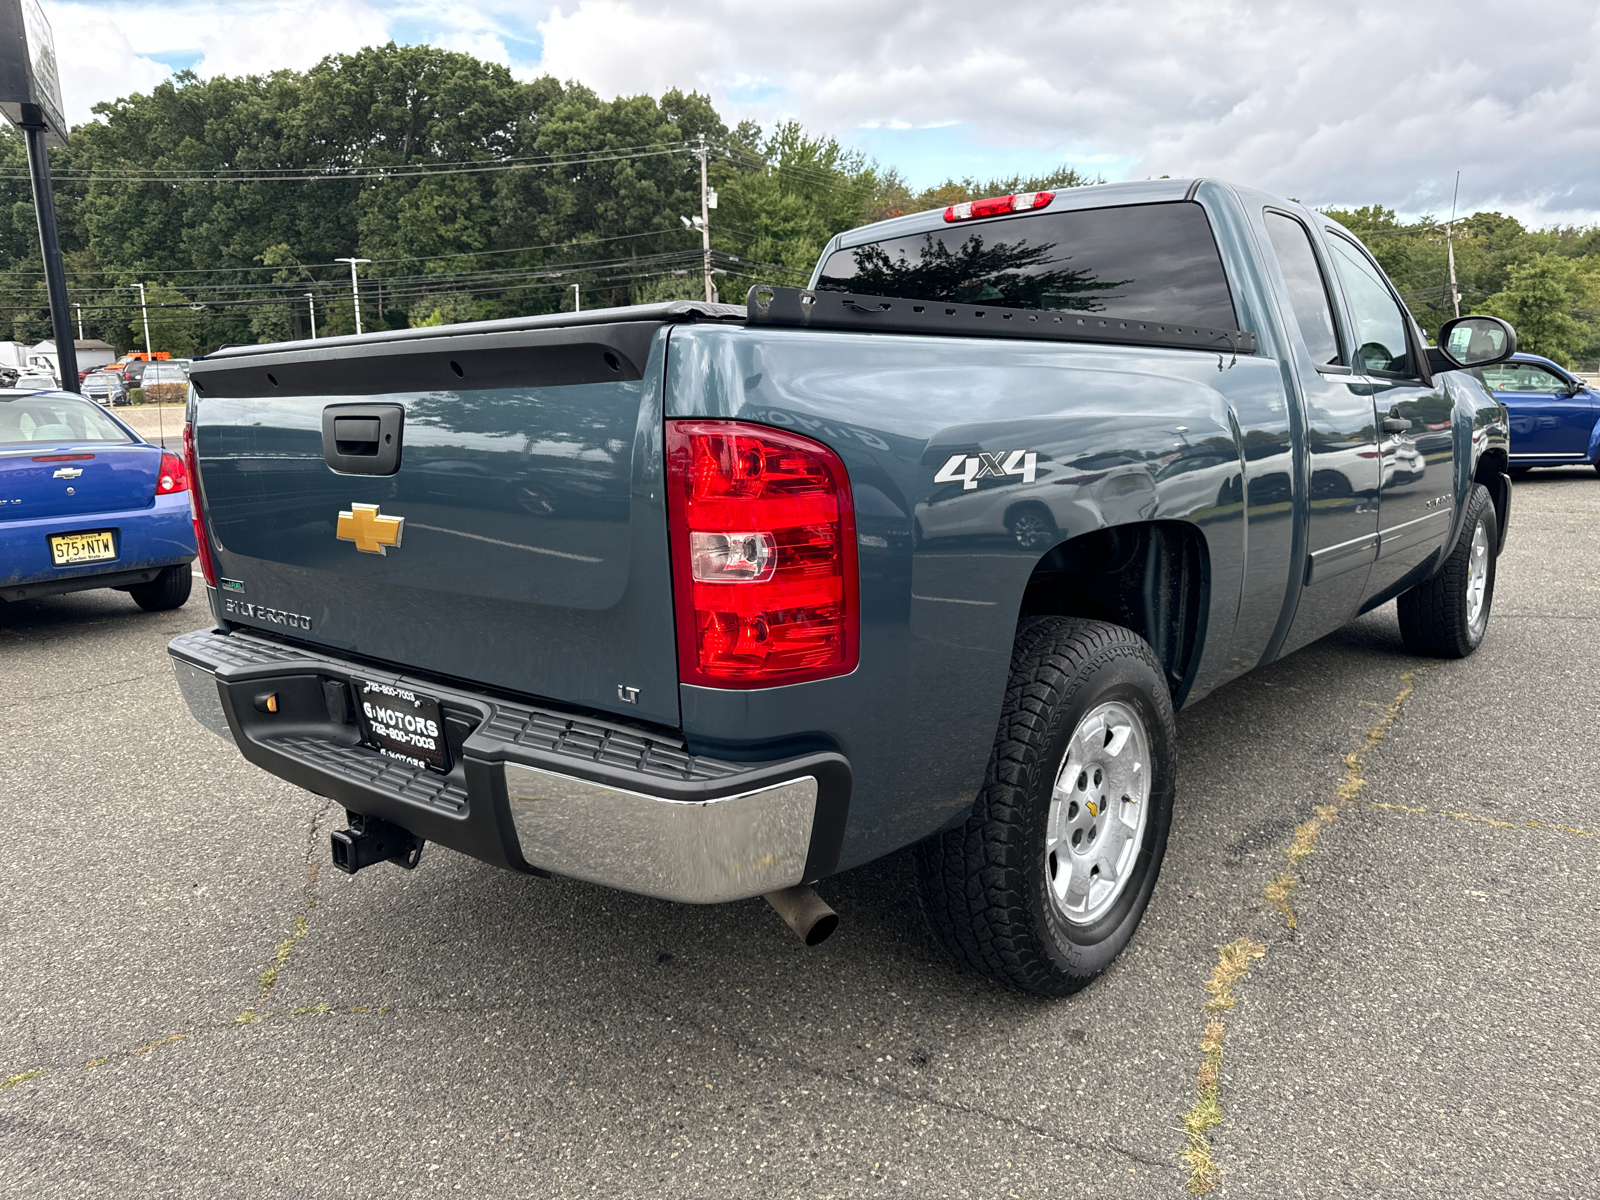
<point>1447,616</point>
<point>1046,881</point>
<point>170,589</point>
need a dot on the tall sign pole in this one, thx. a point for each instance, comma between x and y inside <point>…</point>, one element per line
<point>30,98</point>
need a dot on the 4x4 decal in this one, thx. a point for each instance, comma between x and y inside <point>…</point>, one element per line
<point>967,469</point>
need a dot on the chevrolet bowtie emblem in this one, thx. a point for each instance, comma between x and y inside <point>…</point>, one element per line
<point>371,533</point>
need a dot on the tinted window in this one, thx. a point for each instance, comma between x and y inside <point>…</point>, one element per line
<point>1380,324</point>
<point>55,419</point>
<point>1308,291</point>
<point>1153,262</point>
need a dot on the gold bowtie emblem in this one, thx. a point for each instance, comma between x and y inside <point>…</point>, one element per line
<point>372,534</point>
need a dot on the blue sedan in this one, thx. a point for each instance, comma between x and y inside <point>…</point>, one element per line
<point>87,503</point>
<point>1555,416</point>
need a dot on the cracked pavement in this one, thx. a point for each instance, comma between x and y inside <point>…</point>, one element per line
<point>212,1010</point>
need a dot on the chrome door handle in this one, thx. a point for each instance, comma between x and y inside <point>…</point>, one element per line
<point>1396,425</point>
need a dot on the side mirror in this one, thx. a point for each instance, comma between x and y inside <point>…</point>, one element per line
<point>1472,342</point>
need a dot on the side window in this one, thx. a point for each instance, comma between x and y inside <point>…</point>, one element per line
<point>1380,334</point>
<point>1308,291</point>
<point>1523,377</point>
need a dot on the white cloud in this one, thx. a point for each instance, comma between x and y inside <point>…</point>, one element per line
<point>114,69</point>
<point>1337,103</point>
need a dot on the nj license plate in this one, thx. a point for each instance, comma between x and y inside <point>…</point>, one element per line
<point>403,725</point>
<point>70,549</point>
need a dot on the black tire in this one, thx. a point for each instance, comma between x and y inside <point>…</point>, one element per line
<point>985,886</point>
<point>1435,616</point>
<point>170,589</point>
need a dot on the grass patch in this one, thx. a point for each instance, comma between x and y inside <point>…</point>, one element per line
<point>1233,964</point>
<point>11,1081</point>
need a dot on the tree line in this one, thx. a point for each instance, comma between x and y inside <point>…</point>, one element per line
<point>476,195</point>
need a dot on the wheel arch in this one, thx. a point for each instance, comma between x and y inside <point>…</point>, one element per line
<point>1151,577</point>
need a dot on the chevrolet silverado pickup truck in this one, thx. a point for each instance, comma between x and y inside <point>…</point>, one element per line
<point>708,602</point>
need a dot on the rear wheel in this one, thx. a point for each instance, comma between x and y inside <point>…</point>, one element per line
<point>1447,616</point>
<point>1046,881</point>
<point>170,589</point>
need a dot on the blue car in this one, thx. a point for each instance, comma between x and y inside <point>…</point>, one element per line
<point>87,503</point>
<point>1555,416</point>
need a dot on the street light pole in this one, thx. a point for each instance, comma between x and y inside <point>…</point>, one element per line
<point>312,300</point>
<point>144,312</point>
<point>355,286</point>
<point>577,299</point>
<point>79,307</point>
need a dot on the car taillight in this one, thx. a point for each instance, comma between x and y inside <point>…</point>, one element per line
<point>207,567</point>
<point>174,475</point>
<point>763,555</point>
<point>996,206</point>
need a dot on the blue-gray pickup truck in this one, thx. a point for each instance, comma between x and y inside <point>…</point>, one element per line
<point>708,602</point>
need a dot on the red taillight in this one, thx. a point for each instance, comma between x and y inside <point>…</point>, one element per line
<point>763,555</point>
<point>996,206</point>
<point>207,567</point>
<point>174,475</point>
<point>62,457</point>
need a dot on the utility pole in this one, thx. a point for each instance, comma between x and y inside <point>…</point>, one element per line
<point>577,299</point>
<point>1450,245</point>
<point>355,286</point>
<point>705,221</point>
<point>79,307</point>
<point>312,300</point>
<point>144,312</point>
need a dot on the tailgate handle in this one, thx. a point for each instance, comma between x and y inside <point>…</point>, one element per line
<point>362,439</point>
<point>356,435</point>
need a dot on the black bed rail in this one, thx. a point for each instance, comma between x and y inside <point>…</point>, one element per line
<point>806,309</point>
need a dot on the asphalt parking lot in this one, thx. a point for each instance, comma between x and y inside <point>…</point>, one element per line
<point>193,1003</point>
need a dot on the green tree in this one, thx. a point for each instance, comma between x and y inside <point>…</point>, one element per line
<point>443,308</point>
<point>1538,301</point>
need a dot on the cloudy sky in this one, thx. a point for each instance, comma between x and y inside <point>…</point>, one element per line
<point>1334,103</point>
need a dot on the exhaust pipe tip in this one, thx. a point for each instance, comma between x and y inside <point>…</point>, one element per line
<point>805,912</point>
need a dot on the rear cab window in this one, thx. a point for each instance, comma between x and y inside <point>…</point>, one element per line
<point>1148,262</point>
<point>1309,294</point>
<point>29,420</point>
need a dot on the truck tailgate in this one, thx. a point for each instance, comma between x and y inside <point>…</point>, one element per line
<point>520,541</point>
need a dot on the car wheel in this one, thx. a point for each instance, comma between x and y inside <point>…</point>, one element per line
<point>1031,526</point>
<point>1045,882</point>
<point>170,589</point>
<point>1447,616</point>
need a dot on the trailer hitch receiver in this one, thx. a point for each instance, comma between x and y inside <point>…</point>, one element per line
<point>369,841</point>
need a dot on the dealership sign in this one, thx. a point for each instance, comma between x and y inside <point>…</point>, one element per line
<point>30,86</point>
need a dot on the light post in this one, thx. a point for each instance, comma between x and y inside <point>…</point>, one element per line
<point>355,286</point>
<point>144,313</point>
<point>577,300</point>
<point>312,300</point>
<point>79,307</point>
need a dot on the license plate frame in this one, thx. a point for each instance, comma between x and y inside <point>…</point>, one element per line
<point>64,547</point>
<point>402,724</point>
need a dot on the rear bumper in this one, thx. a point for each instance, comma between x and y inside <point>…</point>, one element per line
<point>159,535</point>
<point>531,787</point>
